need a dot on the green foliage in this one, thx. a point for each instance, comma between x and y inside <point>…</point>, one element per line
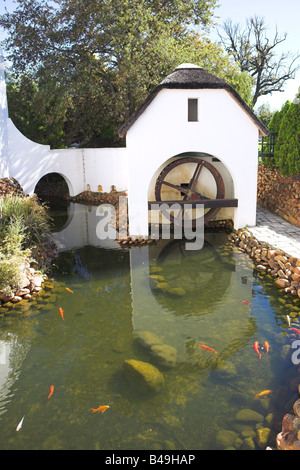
<point>87,69</point>
<point>274,126</point>
<point>37,106</point>
<point>277,117</point>
<point>12,256</point>
<point>24,224</point>
<point>287,148</point>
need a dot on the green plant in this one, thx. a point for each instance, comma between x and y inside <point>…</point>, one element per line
<point>12,256</point>
<point>287,148</point>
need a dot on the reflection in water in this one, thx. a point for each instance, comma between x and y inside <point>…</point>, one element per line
<point>154,304</point>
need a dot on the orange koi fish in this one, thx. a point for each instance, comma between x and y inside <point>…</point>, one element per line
<point>206,347</point>
<point>256,348</point>
<point>51,391</point>
<point>245,302</point>
<point>69,290</point>
<point>100,408</point>
<point>61,312</point>
<point>297,331</point>
<point>263,394</point>
<point>266,346</point>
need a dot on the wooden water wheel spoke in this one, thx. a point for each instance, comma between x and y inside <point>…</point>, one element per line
<point>190,190</point>
<point>175,186</point>
<point>195,177</point>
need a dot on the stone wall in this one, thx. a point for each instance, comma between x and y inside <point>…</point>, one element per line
<point>279,194</point>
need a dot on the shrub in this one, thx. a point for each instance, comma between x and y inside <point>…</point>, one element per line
<point>12,256</point>
<point>287,148</point>
<point>24,226</point>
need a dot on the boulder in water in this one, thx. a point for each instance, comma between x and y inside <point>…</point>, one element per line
<point>144,375</point>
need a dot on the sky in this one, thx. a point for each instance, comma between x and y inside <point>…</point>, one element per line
<point>283,14</point>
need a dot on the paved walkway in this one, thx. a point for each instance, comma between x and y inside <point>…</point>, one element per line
<point>273,229</point>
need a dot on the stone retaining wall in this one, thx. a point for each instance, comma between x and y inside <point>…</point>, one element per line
<point>279,194</point>
<point>285,270</point>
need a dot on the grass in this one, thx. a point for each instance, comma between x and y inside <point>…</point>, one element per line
<point>24,229</point>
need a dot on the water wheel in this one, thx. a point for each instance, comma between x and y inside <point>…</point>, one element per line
<point>190,179</point>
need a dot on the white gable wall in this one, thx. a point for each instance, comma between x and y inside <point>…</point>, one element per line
<point>223,130</point>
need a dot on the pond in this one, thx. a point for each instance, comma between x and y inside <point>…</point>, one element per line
<point>113,309</point>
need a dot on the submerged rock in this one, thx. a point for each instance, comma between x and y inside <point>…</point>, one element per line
<point>247,415</point>
<point>263,436</point>
<point>165,355</point>
<point>226,439</point>
<point>143,375</point>
<point>177,291</point>
<point>227,372</point>
<point>147,338</point>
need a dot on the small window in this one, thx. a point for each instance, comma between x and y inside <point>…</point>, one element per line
<point>192,109</point>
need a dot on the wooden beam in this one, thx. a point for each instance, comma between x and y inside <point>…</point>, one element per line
<point>207,203</point>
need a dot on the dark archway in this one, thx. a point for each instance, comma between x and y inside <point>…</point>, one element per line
<point>52,186</point>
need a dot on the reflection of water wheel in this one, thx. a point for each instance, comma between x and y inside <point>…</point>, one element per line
<point>193,180</point>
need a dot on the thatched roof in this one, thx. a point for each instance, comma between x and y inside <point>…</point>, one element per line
<point>189,76</point>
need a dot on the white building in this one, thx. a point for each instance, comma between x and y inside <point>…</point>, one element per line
<point>193,139</point>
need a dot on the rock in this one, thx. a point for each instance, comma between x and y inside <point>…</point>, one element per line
<point>156,277</point>
<point>263,437</point>
<point>147,338</point>
<point>155,269</point>
<point>165,355</point>
<point>227,372</point>
<point>177,291</point>
<point>143,375</point>
<point>24,282</point>
<point>6,298</point>
<point>282,283</point>
<point>248,444</point>
<point>38,281</point>
<point>226,438</point>
<point>296,407</point>
<point>287,440</point>
<point>164,286</point>
<point>260,267</point>
<point>247,415</point>
<point>285,351</point>
<point>22,292</point>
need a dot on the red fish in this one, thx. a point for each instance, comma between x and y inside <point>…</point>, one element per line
<point>51,391</point>
<point>61,312</point>
<point>100,408</point>
<point>69,290</point>
<point>245,302</point>
<point>206,347</point>
<point>266,346</point>
<point>297,331</point>
<point>256,348</point>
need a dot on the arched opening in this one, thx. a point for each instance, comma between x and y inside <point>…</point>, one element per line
<point>51,186</point>
<point>53,190</point>
<point>190,179</point>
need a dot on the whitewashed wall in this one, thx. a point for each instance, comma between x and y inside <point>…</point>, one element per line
<point>29,162</point>
<point>224,130</point>
<point>4,171</point>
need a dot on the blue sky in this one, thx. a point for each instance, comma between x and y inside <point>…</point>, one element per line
<point>285,14</point>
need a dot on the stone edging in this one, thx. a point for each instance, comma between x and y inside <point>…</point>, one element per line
<point>31,283</point>
<point>286,271</point>
<point>283,267</point>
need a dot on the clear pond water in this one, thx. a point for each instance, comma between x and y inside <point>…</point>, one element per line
<point>115,298</point>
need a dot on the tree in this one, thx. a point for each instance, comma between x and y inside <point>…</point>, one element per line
<point>255,53</point>
<point>287,148</point>
<point>105,57</point>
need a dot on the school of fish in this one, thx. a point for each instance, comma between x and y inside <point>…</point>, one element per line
<point>100,409</point>
<point>256,346</point>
